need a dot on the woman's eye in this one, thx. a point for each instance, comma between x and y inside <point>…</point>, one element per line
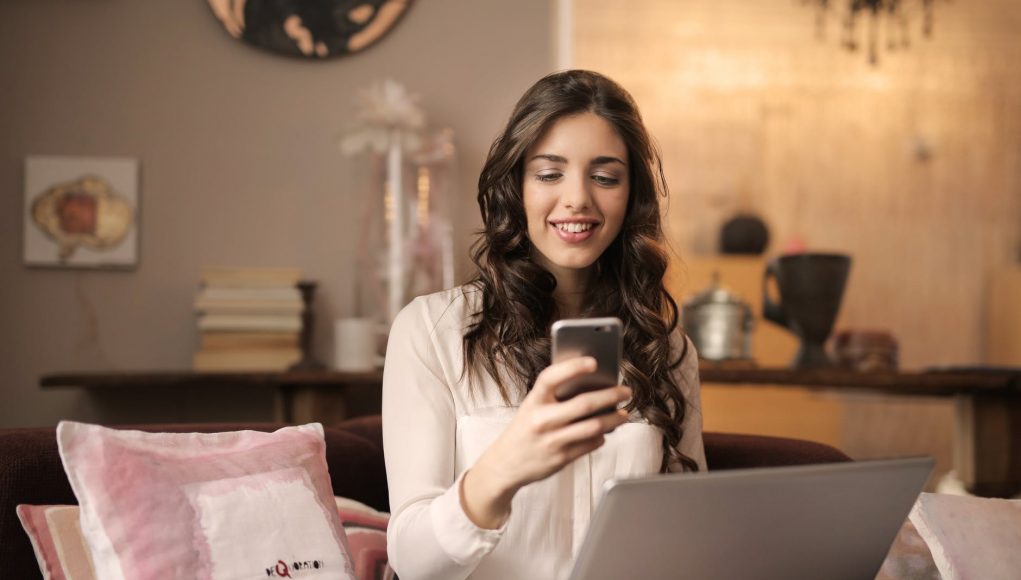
<point>605,180</point>
<point>547,177</point>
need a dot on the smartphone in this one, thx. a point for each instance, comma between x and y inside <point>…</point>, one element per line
<point>599,338</point>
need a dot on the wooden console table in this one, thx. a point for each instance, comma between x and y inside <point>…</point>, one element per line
<point>300,395</point>
<point>987,438</point>
<point>987,454</point>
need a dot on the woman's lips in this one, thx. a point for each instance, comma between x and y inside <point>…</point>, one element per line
<point>574,237</point>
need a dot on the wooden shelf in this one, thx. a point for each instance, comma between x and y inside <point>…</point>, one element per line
<point>929,384</point>
<point>159,379</point>
<point>300,396</point>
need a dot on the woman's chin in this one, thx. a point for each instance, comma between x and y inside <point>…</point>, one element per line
<point>572,266</point>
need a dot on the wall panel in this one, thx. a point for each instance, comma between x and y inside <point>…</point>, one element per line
<point>912,166</point>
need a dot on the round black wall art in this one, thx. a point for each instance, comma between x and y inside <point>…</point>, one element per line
<point>309,28</point>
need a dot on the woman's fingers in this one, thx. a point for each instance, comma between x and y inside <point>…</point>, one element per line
<point>547,434</point>
<point>557,415</point>
<point>595,427</point>
<point>552,376</point>
<point>576,450</point>
<point>591,402</point>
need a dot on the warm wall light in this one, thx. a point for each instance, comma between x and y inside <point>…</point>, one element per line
<point>888,18</point>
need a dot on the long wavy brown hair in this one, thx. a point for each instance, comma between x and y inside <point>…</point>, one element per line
<point>509,334</point>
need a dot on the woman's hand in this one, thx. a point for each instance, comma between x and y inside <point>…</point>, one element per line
<point>544,436</point>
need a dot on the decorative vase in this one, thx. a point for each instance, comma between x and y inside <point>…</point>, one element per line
<point>406,240</point>
<point>811,288</point>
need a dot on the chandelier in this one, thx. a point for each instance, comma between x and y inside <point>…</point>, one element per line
<point>887,22</point>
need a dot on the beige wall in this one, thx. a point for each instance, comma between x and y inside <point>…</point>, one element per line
<point>239,167</point>
<point>913,167</point>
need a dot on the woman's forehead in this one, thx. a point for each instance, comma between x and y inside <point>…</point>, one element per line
<point>578,138</point>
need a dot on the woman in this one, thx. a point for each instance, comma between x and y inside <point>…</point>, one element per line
<point>490,476</point>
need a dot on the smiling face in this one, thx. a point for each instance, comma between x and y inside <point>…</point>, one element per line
<point>575,187</point>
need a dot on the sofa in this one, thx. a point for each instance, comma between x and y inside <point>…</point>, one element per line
<point>31,471</point>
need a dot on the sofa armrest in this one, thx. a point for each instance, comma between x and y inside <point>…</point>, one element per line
<point>734,451</point>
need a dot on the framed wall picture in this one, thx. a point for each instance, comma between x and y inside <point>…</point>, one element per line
<point>313,29</point>
<point>81,212</point>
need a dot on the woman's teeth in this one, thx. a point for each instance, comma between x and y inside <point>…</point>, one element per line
<point>574,228</point>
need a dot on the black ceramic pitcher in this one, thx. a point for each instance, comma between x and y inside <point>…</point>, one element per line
<point>811,288</point>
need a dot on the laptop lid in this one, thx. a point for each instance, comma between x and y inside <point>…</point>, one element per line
<point>834,521</point>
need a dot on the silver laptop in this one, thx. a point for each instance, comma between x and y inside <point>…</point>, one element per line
<point>832,521</point>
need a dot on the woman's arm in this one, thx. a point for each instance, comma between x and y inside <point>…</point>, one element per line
<point>431,534</point>
<point>428,536</point>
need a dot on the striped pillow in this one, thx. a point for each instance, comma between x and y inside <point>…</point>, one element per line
<point>366,538</point>
<point>57,541</point>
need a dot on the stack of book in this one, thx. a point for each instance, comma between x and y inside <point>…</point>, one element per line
<point>249,319</point>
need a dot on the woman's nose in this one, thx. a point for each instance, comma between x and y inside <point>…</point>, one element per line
<point>575,194</point>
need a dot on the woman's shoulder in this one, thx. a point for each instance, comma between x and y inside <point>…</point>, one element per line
<point>445,311</point>
<point>687,370</point>
<point>432,326</point>
<point>681,343</point>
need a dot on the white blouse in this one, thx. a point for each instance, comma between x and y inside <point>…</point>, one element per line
<point>434,429</point>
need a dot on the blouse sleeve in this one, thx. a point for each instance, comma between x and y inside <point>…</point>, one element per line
<point>429,535</point>
<point>686,377</point>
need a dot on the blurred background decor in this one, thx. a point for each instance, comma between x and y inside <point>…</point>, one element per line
<point>719,323</point>
<point>811,288</point>
<point>249,319</point>
<point>865,350</point>
<point>888,23</point>
<point>356,347</point>
<point>309,28</point>
<point>744,233</point>
<point>81,212</point>
<point>405,245</point>
<point>308,360</point>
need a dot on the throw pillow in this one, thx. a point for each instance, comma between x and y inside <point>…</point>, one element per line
<point>211,506</point>
<point>970,537</point>
<point>63,555</point>
<point>57,540</point>
<point>366,536</point>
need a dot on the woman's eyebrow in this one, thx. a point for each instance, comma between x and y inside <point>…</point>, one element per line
<point>604,160</point>
<point>550,157</point>
<point>601,160</point>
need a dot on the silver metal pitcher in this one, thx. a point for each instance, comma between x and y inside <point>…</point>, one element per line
<point>719,323</point>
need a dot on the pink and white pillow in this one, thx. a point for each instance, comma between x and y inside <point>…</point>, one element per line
<point>210,506</point>
<point>63,555</point>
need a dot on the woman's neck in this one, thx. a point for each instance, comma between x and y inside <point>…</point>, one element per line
<point>570,292</point>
